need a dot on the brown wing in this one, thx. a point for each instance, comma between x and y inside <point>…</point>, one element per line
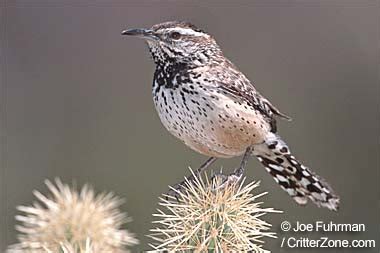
<point>253,98</point>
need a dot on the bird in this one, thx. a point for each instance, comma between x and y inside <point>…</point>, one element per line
<point>205,101</point>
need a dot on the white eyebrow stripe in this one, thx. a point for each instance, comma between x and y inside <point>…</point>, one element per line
<point>185,31</point>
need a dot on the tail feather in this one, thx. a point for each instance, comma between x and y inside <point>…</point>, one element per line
<point>296,179</point>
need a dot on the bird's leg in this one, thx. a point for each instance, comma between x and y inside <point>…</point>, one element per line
<point>205,165</point>
<point>238,172</point>
<point>179,186</point>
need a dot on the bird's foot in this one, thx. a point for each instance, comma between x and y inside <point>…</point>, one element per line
<point>175,191</point>
<point>221,181</point>
<point>238,173</point>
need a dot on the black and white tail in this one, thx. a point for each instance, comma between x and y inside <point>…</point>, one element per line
<point>296,179</point>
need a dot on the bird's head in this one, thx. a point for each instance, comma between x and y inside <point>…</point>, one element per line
<point>178,43</point>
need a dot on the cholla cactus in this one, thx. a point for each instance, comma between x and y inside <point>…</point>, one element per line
<point>72,222</point>
<point>211,216</point>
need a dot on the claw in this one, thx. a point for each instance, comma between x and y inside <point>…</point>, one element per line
<point>174,192</point>
<point>225,180</point>
<point>176,189</point>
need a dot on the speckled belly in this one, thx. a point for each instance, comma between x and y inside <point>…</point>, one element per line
<point>209,122</point>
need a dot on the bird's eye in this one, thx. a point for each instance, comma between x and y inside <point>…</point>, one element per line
<point>175,35</point>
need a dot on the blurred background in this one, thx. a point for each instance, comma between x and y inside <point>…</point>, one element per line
<point>76,102</point>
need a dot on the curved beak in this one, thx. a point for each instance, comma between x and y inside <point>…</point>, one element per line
<point>141,33</point>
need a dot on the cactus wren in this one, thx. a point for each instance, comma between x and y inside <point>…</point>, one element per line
<point>205,101</point>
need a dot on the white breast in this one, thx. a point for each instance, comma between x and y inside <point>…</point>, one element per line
<point>209,122</point>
